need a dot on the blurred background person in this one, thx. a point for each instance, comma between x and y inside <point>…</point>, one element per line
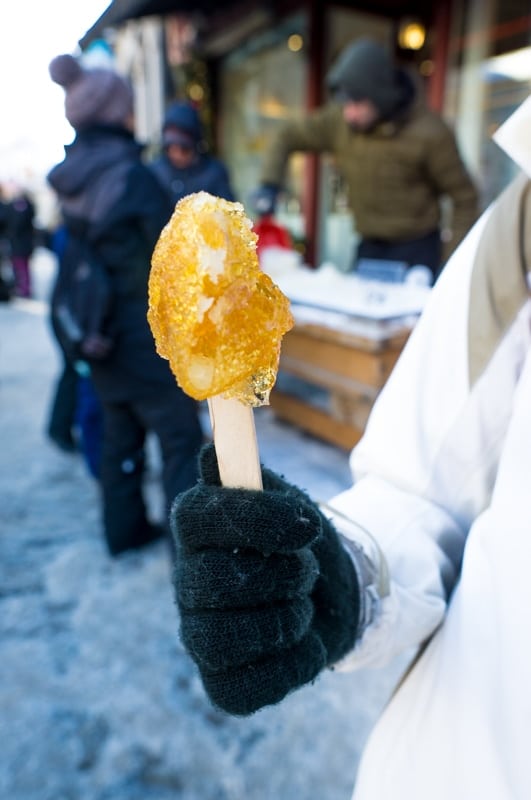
<point>184,165</point>
<point>399,160</point>
<point>61,424</point>
<point>112,201</point>
<point>21,236</point>
<point>5,267</point>
<point>75,421</point>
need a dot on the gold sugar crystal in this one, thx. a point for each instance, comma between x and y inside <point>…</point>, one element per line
<point>215,315</point>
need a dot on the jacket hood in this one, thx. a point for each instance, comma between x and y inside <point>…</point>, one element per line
<point>365,71</point>
<point>93,174</point>
<point>184,116</point>
<point>92,152</point>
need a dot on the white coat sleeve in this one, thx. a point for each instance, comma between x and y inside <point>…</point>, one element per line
<point>426,465</point>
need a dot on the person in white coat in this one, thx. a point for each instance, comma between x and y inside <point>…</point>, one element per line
<point>428,551</point>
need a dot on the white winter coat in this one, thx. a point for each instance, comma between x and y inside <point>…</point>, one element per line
<point>443,482</point>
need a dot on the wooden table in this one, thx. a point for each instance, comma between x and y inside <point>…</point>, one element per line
<point>349,366</point>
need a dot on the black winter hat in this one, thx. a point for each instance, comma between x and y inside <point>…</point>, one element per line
<point>365,71</point>
<point>184,116</point>
<point>91,95</point>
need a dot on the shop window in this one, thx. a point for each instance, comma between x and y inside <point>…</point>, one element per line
<point>263,84</point>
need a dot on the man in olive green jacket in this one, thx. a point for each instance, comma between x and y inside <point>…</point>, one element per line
<point>398,160</point>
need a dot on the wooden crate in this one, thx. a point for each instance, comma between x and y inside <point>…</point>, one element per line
<point>351,368</point>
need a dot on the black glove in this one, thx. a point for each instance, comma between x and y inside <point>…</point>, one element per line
<point>263,201</point>
<point>267,594</point>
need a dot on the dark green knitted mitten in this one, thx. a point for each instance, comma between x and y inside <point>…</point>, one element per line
<point>267,594</point>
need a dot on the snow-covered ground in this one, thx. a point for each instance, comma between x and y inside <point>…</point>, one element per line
<point>98,699</point>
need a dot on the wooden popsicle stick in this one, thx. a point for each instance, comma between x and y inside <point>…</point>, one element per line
<point>235,442</point>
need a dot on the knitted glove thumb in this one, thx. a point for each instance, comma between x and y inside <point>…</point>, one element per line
<point>267,595</point>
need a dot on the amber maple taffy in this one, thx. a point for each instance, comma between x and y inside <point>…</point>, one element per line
<point>219,320</point>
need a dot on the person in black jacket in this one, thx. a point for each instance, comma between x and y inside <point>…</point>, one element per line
<point>21,235</point>
<point>184,166</point>
<point>5,288</point>
<point>109,196</point>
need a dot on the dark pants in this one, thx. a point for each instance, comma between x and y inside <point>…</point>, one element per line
<point>425,250</point>
<point>89,419</point>
<point>172,416</point>
<point>63,409</point>
<point>21,271</point>
<point>75,420</point>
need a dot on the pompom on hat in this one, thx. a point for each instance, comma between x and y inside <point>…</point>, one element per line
<point>92,96</point>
